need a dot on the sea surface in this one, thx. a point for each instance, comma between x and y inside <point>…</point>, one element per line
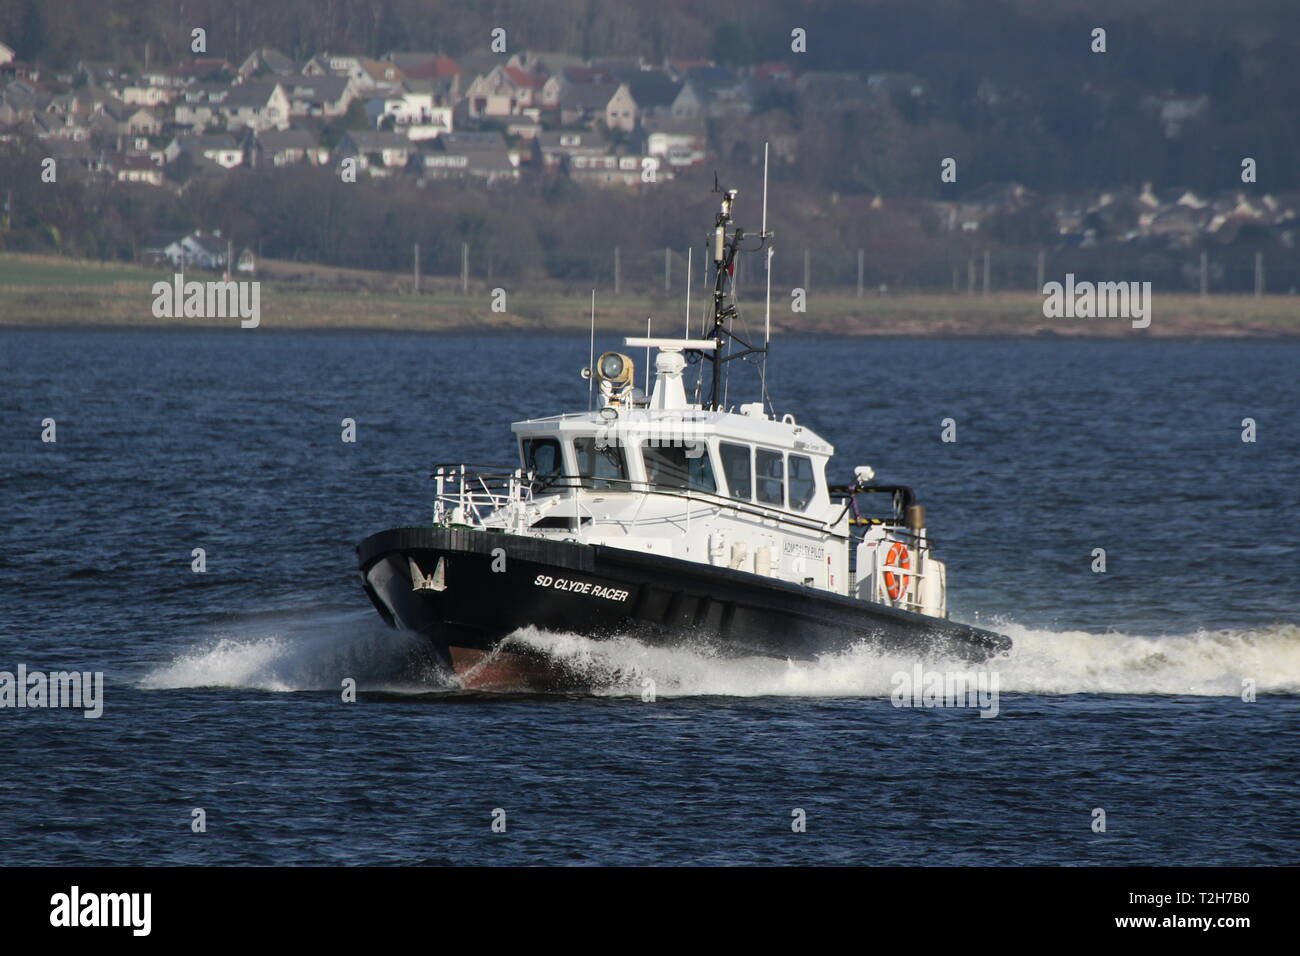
<point>1124,692</point>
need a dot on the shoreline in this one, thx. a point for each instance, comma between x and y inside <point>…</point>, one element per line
<point>49,292</point>
<point>1262,337</point>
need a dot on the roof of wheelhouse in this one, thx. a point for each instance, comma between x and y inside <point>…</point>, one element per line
<point>723,424</point>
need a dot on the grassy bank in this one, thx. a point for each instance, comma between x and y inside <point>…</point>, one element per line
<point>52,291</point>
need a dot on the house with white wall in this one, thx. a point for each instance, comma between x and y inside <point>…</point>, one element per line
<point>418,109</point>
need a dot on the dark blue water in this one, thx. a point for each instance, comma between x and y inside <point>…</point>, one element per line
<point>1123,692</point>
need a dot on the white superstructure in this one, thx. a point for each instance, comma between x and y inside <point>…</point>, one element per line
<point>736,489</point>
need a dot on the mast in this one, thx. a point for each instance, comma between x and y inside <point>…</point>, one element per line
<point>767,269</point>
<point>724,265</point>
<point>726,245</point>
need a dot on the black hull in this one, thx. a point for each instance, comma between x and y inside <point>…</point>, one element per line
<point>599,591</point>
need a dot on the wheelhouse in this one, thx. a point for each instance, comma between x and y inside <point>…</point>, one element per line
<point>678,456</point>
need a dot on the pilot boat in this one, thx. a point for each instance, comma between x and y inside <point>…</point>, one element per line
<point>669,521</point>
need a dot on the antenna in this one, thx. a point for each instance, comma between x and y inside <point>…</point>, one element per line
<point>591,362</point>
<point>647,356</point>
<point>767,328</point>
<point>767,311</point>
<point>689,250</point>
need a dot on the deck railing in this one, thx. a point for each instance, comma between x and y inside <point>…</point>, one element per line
<point>466,495</point>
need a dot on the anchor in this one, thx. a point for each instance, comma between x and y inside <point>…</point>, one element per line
<point>434,582</point>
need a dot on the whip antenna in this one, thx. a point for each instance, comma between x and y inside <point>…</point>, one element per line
<point>689,250</point>
<point>591,362</point>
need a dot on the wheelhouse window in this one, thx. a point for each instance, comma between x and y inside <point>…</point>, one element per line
<point>769,468</point>
<point>602,465</point>
<point>803,482</point>
<point>738,467</point>
<point>542,455</point>
<point>679,468</point>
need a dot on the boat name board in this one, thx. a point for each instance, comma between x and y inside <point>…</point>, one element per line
<point>579,587</point>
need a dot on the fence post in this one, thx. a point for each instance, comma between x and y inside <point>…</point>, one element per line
<point>1042,271</point>
<point>1205,272</point>
<point>1259,274</point>
<point>859,273</point>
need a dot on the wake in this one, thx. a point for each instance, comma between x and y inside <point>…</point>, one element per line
<point>317,651</point>
<point>298,652</point>
<point>1205,663</point>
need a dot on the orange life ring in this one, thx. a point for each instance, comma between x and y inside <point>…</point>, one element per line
<point>898,557</point>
